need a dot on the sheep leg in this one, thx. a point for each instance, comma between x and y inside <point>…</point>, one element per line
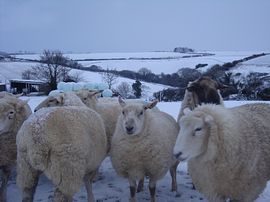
<point>152,189</point>
<point>5,176</point>
<point>60,197</point>
<point>88,179</point>
<point>140,185</point>
<point>29,189</point>
<point>173,175</point>
<point>132,187</point>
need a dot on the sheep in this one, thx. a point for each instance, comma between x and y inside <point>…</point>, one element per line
<point>67,144</point>
<point>202,90</point>
<point>5,94</point>
<point>108,109</point>
<point>60,99</point>
<point>228,150</point>
<point>13,112</point>
<point>142,144</point>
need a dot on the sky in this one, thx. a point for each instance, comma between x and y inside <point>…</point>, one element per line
<point>134,25</point>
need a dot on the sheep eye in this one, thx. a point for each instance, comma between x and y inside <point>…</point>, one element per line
<point>141,113</point>
<point>85,98</point>
<point>12,112</point>
<point>198,129</point>
<point>123,112</point>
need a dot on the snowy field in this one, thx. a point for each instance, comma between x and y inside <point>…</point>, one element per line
<point>157,62</point>
<point>167,62</point>
<point>111,188</point>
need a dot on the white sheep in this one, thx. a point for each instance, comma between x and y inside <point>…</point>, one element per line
<point>142,144</point>
<point>108,108</point>
<point>13,112</point>
<point>4,94</point>
<point>60,99</point>
<point>228,150</point>
<point>67,144</point>
<point>108,112</point>
<point>203,90</point>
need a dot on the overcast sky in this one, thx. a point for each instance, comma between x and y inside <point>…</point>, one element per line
<point>134,25</point>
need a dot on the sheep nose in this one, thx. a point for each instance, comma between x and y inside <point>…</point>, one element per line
<point>177,155</point>
<point>129,129</point>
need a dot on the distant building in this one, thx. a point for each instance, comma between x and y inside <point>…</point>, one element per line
<point>27,86</point>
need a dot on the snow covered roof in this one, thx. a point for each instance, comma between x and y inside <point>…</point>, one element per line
<point>37,82</point>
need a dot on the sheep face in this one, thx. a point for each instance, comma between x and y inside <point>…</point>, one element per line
<point>8,113</point>
<point>133,116</point>
<point>193,136</point>
<point>88,98</point>
<point>52,101</point>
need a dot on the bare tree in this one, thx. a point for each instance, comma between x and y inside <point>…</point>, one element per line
<point>27,74</point>
<point>51,69</point>
<point>124,89</point>
<point>75,77</point>
<point>144,71</point>
<point>109,78</point>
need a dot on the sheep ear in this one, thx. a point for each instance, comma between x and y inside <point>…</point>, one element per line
<point>121,101</point>
<point>186,111</point>
<point>150,105</point>
<point>209,119</point>
<point>60,98</point>
<point>93,93</point>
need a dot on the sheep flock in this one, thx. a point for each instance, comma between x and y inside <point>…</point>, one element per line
<point>70,134</point>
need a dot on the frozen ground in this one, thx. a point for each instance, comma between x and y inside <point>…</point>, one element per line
<point>111,188</point>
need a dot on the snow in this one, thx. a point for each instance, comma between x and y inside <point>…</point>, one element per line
<point>264,60</point>
<point>13,70</point>
<point>110,188</point>
<point>260,65</point>
<point>166,62</point>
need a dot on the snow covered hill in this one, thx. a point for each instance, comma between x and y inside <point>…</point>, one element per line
<point>157,62</point>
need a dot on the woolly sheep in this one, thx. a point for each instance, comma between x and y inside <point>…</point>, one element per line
<point>67,144</point>
<point>54,92</point>
<point>142,144</point>
<point>202,90</point>
<point>5,94</point>
<point>60,99</point>
<point>13,112</point>
<point>108,109</point>
<point>228,150</point>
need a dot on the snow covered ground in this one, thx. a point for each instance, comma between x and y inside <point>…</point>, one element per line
<point>169,62</point>
<point>111,188</point>
<point>166,62</point>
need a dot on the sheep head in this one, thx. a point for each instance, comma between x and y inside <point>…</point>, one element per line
<point>193,137</point>
<point>133,116</point>
<point>52,101</point>
<point>206,90</point>
<point>9,109</point>
<point>89,98</point>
